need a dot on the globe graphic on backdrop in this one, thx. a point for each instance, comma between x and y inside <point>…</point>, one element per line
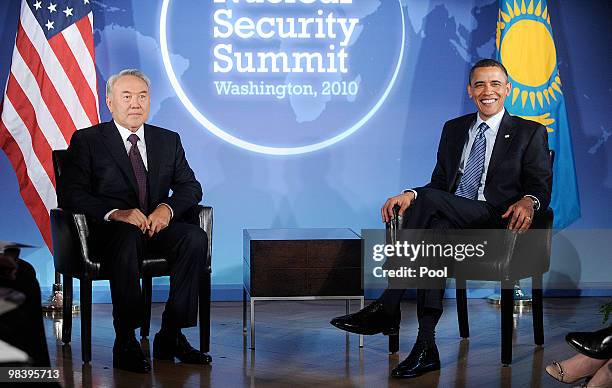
<point>377,55</point>
<point>310,90</point>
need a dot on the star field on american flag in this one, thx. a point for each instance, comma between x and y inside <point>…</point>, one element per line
<point>54,16</point>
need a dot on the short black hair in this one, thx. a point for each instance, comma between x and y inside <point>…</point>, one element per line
<point>487,63</point>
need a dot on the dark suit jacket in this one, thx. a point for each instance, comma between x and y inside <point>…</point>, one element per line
<point>519,165</point>
<point>99,175</point>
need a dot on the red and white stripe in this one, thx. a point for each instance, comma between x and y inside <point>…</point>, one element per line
<point>50,93</point>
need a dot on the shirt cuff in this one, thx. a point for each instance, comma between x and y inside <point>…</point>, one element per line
<point>411,190</point>
<point>536,201</point>
<point>107,215</point>
<point>169,208</point>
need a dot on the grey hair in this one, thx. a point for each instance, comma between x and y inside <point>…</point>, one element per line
<point>133,72</point>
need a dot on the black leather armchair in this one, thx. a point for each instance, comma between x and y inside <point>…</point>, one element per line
<point>73,259</point>
<point>507,268</point>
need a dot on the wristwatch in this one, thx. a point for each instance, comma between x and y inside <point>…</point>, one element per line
<point>536,202</point>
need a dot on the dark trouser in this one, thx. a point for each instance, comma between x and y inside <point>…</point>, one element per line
<point>437,209</point>
<point>23,326</point>
<point>123,246</point>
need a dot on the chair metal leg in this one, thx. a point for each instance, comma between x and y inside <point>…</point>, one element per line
<point>67,310</point>
<point>537,310</point>
<point>205,312</point>
<point>147,290</point>
<point>252,323</point>
<point>86,320</point>
<point>361,305</point>
<point>507,309</point>
<point>244,311</point>
<point>462,311</point>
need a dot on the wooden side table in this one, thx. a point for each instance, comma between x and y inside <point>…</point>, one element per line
<point>313,264</point>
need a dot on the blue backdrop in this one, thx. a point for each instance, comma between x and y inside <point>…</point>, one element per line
<point>343,184</point>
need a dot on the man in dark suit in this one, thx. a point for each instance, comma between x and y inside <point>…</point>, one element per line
<point>492,170</point>
<point>120,175</point>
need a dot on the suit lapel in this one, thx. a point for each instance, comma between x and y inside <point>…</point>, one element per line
<point>154,150</point>
<point>457,143</point>
<point>113,141</point>
<point>504,137</point>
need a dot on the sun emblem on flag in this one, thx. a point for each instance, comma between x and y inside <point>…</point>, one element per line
<point>525,42</point>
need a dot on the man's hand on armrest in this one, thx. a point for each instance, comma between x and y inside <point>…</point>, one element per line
<point>131,216</point>
<point>521,214</point>
<point>403,201</point>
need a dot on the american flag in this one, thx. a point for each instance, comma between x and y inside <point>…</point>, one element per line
<point>51,91</point>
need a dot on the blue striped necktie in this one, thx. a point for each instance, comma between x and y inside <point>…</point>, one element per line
<point>472,173</point>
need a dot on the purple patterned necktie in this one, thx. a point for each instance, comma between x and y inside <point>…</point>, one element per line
<point>140,171</point>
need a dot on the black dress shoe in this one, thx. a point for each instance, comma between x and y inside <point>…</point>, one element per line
<point>166,347</point>
<point>372,319</point>
<point>596,344</point>
<point>128,355</point>
<point>423,358</point>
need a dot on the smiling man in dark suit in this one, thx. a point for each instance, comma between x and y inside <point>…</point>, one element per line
<point>492,170</point>
<point>120,175</point>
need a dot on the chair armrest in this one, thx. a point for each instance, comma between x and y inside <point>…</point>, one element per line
<point>393,226</point>
<point>71,253</point>
<point>202,216</point>
<point>531,253</point>
<point>544,220</point>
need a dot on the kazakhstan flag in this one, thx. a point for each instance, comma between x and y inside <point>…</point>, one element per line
<point>526,47</point>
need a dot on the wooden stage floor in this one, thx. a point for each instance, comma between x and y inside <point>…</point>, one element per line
<point>297,347</point>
